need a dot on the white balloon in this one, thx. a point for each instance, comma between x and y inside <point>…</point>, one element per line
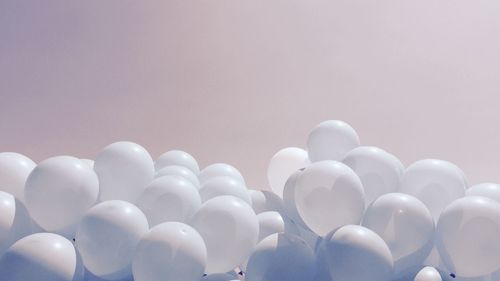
<point>220,169</point>
<point>219,277</point>
<point>436,183</point>
<point>15,221</point>
<point>171,251</point>
<point>328,195</point>
<point>124,170</point>
<point>224,185</point>
<point>490,190</point>
<point>428,274</point>
<point>270,223</point>
<point>289,200</point>
<point>14,170</point>
<point>169,198</point>
<point>331,140</point>
<point>40,256</point>
<point>230,229</point>
<point>178,158</point>
<point>379,171</point>
<point>59,191</point>
<point>467,236</point>
<point>264,201</point>
<point>406,225</point>
<point>179,171</point>
<point>283,164</point>
<point>88,162</point>
<point>356,253</point>
<point>107,238</point>
<point>281,256</point>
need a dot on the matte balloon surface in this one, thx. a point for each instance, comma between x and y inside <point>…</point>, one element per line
<point>220,169</point>
<point>490,190</point>
<point>224,185</point>
<point>283,164</point>
<point>15,221</point>
<point>14,170</point>
<point>264,201</point>
<point>178,158</point>
<point>428,274</point>
<point>181,171</point>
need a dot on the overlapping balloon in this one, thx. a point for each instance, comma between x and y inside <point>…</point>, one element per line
<point>337,211</point>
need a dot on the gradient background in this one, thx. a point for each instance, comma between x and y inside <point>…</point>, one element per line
<point>236,80</point>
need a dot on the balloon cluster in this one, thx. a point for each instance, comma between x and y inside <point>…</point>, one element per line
<point>338,211</point>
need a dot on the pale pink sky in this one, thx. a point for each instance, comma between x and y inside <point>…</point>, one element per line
<point>234,81</point>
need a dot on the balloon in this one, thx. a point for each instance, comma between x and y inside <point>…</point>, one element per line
<point>169,198</point>
<point>88,162</point>
<point>328,195</point>
<point>220,169</point>
<point>15,221</point>
<point>406,225</point>
<point>170,251</point>
<point>467,236</point>
<point>281,256</point>
<point>124,170</point>
<point>40,256</point>
<point>177,158</point>
<point>270,223</point>
<point>356,253</point>
<point>230,229</point>
<point>436,183</point>
<point>224,185</point>
<point>220,277</point>
<point>59,191</point>
<point>379,171</point>
<point>264,201</point>
<point>14,170</point>
<point>490,190</point>
<point>331,140</point>
<point>179,171</point>
<point>428,274</point>
<point>107,238</point>
<point>283,164</point>
<point>289,200</point>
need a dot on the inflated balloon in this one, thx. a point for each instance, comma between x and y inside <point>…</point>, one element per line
<point>180,171</point>
<point>224,185</point>
<point>177,158</point>
<point>357,253</point>
<point>270,223</point>
<point>171,251</point>
<point>436,183</point>
<point>15,221</point>
<point>428,274</point>
<point>379,171</point>
<point>283,164</point>
<point>289,200</point>
<point>59,191</point>
<point>467,236</point>
<point>328,195</point>
<point>107,238</point>
<point>88,162</point>
<point>169,198</point>
<point>331,140</point>
<point>406,225</point>
<point>264,201</point>
<point>490,190</point>
<point>281,256</point>
<point>220,277</point>
<point>14,170</point>
<point>220,169</point>
<point>40,256</point>
<point>124,170</point>
<point>230,229</point>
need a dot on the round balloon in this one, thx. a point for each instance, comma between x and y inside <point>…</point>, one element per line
<point>124,170</point>
<point>281,256</point>
<point>177,158</point>
<point>356,253</point>
<point>436,183</point>
<point>379,171</point>
<point>428,274</point>
<point>289,203</point>
<point>88,162</point>
<point>171,251</point>
<point>220,169</point>
<point>224,185</point>
<point>467,232</point>
<point>59,191</point>
<point>230,229</point>
<point>264,201</point>
<point>406,225</point>
<point>169,198</point>
<point>270,223</point>
<point>490,190</point>
<point>328,195</point>
<point>220,277</point>
<point>14,170</point>
<point>107,238</point>
<point>40,256</point>
<point>283,164</point>
<point>181,171</point>
<point>15,221</point>
<point>331,140</point>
